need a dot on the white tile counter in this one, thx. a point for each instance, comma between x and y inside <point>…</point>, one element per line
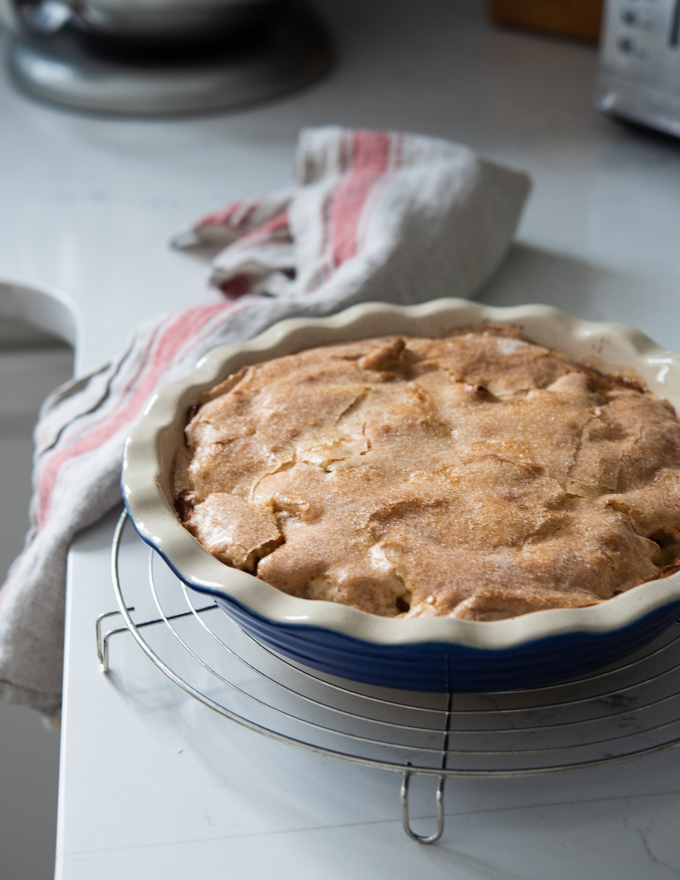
<point>152,784</point>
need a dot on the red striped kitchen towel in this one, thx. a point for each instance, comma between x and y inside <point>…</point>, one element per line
<point>371,216</point>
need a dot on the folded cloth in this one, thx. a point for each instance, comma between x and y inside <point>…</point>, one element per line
<point>372,216</point>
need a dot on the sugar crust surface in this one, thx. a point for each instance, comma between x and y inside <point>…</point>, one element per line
<point>479,475</point>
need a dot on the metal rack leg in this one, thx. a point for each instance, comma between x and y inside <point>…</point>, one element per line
<point>406,818</point>
<point>406,781</point>
<point>103,640</point>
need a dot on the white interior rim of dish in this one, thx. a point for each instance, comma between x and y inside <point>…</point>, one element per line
<point>150,449</point>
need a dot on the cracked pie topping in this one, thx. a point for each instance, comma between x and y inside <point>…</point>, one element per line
<point>479,475</point>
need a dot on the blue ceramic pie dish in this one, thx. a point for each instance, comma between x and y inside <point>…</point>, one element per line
<point>438,654</point>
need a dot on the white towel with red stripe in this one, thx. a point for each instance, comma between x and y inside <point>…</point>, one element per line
<point>371,216</point>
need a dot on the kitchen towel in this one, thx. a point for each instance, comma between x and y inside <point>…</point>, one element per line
<point>372,215</point>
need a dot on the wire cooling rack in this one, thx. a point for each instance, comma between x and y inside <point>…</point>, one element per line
<point>625,711</point>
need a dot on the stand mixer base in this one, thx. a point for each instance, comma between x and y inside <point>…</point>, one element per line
<point>72,70</point>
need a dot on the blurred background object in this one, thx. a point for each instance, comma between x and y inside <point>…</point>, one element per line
<point>639,71</point>
<point>639,76</point>
<point>578,19</point>
<point>162,57</point>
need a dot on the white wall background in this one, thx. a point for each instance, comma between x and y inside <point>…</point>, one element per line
<point>31,365</point>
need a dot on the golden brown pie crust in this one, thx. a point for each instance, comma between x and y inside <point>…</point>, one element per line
<point>479,475</point>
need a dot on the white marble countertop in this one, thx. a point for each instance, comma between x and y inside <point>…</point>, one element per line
<point>152,784</point>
